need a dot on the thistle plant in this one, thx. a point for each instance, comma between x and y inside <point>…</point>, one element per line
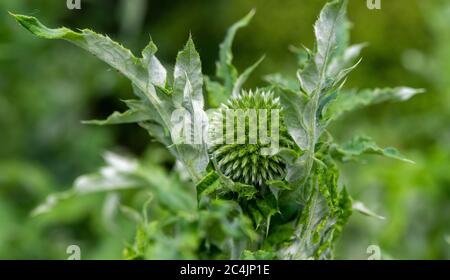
<point>243,202</point>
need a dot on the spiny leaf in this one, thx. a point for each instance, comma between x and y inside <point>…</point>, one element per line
<point>129,116</point>
<point>101,46</point>
<point>225,69</point>
<point>331,18</point>
<point>207,185</point>
<point>188,67</point>
<point>157,74</point>
<point>362,145</point>
<point>354,99</point>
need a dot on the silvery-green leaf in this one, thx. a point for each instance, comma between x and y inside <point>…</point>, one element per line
<point>309,78</point>
<point>188,95</point>
<point>157,74</point>
<point>324,212</point>
<point>129,116</point>
<point>124,173</point>
<point>207,185</point>
<point>331,22</point>
<point>225,69</point>
<point>355,99</point>
<point>51,202</point>
<point>188,66</point>
<point>326,28</point>
<point>362,145</point>
<point>119,58</point>
<point>294,107</point>
<point>346,60</point>
<point>101,46</point>
<point>361,208</point>
<point>303,55</point>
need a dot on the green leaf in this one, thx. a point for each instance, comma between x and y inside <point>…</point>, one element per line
<point>331,19</point>
<point>100,46</point>
<point>302,111</point>
<point>244,191</point>
<point>188,95</point>
<point>353,99</point>
<point>361,208</point>
<point>128,116</point>
<point>157,74</point>
<point>362,145</point>
<point>123,173</point>
<point>324,213</point>
<point>345,60</point>
<point>258,255</point>
<point>138,113</point>
<point>294,108</point>
<point>225,69</point>
<point>345,207</point>
<point>146,74</point>
<point>188,68</point>
<point>277,186</point>
<point>207,185</point>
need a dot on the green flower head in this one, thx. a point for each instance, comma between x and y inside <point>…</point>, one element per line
<point>249,125</point>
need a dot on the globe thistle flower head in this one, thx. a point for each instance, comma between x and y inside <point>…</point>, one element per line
<point>244,159</point>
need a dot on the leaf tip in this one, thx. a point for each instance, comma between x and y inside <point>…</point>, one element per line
<point>23,19</point>
<point>251,14</point>
<point>91,122</point>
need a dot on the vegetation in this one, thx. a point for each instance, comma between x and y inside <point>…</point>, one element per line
<point>230,200</point>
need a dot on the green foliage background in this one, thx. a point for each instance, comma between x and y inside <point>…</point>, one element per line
<point>46,89</point>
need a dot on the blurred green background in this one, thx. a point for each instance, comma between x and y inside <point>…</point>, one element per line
<point>46,88</point>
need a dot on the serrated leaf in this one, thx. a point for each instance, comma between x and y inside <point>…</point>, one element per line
<point>207,185</point>
<point>354,99</point>
<point>188,67</point>
<point>331,19</point>
<point>157,74</point>
<point>129,116</point>
<point>123,173</point>
<point>245,191</point>
<point>225,69</point>
<point>348,58</point>
<point>294,107</point>
<point>362,145</point>
<point>188,95</point>
<point>101,46</point>
<point>324,213</point>
<point>133,115</point>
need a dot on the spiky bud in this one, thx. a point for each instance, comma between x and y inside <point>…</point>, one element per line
<point>246,159</point>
